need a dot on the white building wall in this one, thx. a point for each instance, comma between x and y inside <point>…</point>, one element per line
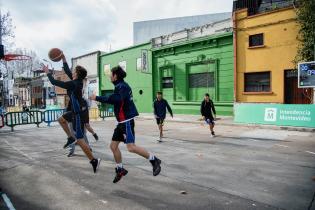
<point>90,63</point>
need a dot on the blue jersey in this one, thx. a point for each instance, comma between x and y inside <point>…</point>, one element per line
<point>124,107</point>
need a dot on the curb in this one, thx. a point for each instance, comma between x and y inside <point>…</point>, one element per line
<point>272,127</point>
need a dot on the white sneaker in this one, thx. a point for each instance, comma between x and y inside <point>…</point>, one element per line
<point>211,136</point>
<point>160,139</point>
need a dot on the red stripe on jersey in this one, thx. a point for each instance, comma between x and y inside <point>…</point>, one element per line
<point>121,112</point>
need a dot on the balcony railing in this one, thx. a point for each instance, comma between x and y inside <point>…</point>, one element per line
<point>261,6</point>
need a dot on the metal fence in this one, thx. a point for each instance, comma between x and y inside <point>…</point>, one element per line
<point>23,118</point>
<point>52,115</point>
<point>1,120</point>
<point>12,119</point>
<point>105,113</point>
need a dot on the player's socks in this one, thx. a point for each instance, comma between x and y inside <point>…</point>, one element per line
<point>70,141</point>
<point>95,136</point>
<point>120,172</point>
<point>95,164</point>
<point>156,164</point>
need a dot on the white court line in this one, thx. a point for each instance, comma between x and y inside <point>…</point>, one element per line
<point>280,145</point>
<point>310,152</point>
<point>19,151</point>
<point>7,201</point>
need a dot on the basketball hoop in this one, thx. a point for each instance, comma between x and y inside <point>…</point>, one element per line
<point>16,57</point>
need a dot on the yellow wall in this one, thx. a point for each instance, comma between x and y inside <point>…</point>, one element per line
<point>280,30</point>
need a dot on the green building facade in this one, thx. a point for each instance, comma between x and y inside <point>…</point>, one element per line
<point>140,80</point>
<point>183,71</point>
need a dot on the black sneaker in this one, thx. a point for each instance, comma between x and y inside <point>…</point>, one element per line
<point>156,163</point>
<point>120,172</point>
<point>71,153</point>
<point>70,141</point>
<point>212,133</point>
<point>95,136</point>
<point>95,164</point>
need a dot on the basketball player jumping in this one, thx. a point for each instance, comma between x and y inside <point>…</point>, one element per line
<point>125,112</point>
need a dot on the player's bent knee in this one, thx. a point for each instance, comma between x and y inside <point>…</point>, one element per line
<point>61,120</point>
<point>131,148</point>
<point>113,146</point>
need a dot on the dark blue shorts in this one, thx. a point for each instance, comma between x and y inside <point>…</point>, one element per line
<point>209,121</point>
<point>125,132</point>
<point>160,121</point>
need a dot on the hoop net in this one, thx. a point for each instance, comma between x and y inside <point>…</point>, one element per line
<point>14,57</point>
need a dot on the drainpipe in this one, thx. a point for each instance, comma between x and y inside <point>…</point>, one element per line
<point>235,54</point>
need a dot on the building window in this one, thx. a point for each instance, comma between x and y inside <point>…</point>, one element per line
<point>167,82</point>
<point>123,65</point>
<point>256,40</point>
<point>257,82</point>
<point>139,64</point>
<point>107,71</point>
<point>201,80</point>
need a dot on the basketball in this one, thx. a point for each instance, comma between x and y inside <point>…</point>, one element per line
<point>55,54</point>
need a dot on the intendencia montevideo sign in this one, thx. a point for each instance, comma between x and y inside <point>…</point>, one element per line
<point>298,115</point>
<point>306,74</point>
<point>302,115</point>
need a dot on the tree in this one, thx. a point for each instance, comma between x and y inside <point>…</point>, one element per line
<point>6,36</point>
<point>6,30</point>
<point>306,19</point>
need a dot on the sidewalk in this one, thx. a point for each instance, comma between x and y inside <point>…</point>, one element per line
<point>225,121</point>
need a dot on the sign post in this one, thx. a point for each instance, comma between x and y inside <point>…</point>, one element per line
<point>306,75</point>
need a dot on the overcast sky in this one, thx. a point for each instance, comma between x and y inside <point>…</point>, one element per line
<point>82,26</point>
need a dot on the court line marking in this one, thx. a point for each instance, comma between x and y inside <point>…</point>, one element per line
<point>280,145</point>
<point>19,151</point>
<point>310,152</point>
<point>7,201</point>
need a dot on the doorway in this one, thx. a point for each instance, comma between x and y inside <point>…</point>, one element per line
<point>293,94</point>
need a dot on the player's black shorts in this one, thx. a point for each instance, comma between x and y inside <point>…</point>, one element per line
<point>68,116</point>
<point>160,121</point>
<point>84,116</point>
<point>209,120</point>
<point>125,132</point>
<point>78,121</point>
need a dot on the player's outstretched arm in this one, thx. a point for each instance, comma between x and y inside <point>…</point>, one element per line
<point>65,85</point>
<point>66,66</point>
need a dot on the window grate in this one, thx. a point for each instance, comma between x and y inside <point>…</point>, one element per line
<point>201,80</point>
<point>257,82</point>
<point>256,40</point>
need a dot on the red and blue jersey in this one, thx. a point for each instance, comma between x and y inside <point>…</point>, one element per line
<point>124,107</point>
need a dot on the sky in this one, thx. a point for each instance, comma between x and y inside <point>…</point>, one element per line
<point>82,26</point>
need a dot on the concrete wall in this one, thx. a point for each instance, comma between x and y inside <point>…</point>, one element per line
<point>143,31</point>
<point>90,62</point>
<point>222,26</point>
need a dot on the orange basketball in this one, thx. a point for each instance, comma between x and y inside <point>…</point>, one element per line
<point>55,54</point>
